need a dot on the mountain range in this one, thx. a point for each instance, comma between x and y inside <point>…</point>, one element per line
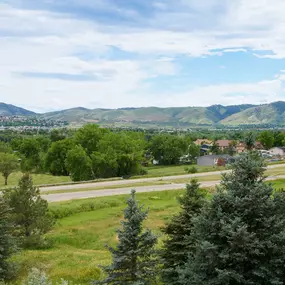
<point>272,113</point>
<point>11,110</point>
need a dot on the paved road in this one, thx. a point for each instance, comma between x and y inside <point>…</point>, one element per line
<point>105,184</point>
<point>119,191</point>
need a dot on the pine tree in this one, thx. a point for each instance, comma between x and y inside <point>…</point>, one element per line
<point>29,212</point>
<point>133,261</point>
<point>7,244</point>
<point>178,244</point>
<point>240,238</point>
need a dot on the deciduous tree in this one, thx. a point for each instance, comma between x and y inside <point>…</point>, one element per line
<point>267,139</point>
<point>8,164</point>
<point>168,149</point>
<point>79,164</point>
<point>88,137</point>
<point>56,157</point>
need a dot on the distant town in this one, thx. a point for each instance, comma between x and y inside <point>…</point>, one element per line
<point>21,123</point>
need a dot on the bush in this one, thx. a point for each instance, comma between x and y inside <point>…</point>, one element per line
<point>192,170</point>
<point>143,171</point>
<point>37,242</point>
<point>36,277</point>
<point>69,210</point>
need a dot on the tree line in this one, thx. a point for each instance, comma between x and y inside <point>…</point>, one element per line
<point>234,237</point>
<point>92,152</point>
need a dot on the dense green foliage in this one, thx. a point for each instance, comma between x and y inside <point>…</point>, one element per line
<point>133,260</point>
<point>167,149</point>
<point>8,164</point>
<point>239,237</point>
<point>29,212</point>
<point>249,140</point>
<point>117,152</point>
<point>56,156</point>
<point>7,243</point>
<point>267,139</point>
<point>79,164</point>
<point>178,242</point>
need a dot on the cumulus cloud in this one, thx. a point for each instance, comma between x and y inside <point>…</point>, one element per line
<point>42,67</point>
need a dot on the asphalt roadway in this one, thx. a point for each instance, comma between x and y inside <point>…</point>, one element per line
<point>126,190</point>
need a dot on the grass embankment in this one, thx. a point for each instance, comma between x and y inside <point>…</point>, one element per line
<point>38,179</point>
<point>85,226</point>
<point>211,177</point>
<point>158,171</point>
<point>153,171</point>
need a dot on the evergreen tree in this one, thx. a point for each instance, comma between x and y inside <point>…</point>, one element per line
<point>178,243</point>
<point>29,212</point>
<point>6,241</point>
<point>240,238</point>
<point>133,261</point>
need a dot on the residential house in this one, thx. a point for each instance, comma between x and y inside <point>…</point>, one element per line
<point>241,147</point>
<point>203,141</point>
<point>223,144</point>
<point>277,151</point>
<point>212,160</point>
<point>205,148</point>
<point>258,145</point>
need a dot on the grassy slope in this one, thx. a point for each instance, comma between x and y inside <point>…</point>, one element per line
<point>154,115</point>
<point>273,113</point>
<point>79,239</point>
<point>38,179</point>
<point>154,171</point>
<point>11,110</point>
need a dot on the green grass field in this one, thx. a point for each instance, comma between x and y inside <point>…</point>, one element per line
<point>38,179</point>
<point>79,239</point>
<point>153,171</point>
<point>85,226</point>
<point>157,171</point>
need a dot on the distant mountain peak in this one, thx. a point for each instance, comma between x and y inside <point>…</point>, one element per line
<point>11,110</point>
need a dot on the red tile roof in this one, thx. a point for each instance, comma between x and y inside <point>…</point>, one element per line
<point>223,143</point>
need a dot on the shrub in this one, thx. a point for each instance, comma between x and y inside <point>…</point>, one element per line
<point>192,170</point>
<point>37,277</point>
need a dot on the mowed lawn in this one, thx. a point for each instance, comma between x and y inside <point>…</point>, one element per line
<point>38,179</point>
<point>157,171</point>
<point>153,171</point>
<point>83,229</point>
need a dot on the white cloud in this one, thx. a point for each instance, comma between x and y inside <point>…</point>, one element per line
<point>48,42</point>
<point>227,94</point>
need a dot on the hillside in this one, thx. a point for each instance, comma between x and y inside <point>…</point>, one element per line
<point>149,115</point>
<point>273,113</point>
<point>11,110</point>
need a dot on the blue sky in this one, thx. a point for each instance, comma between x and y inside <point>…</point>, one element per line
<point>58,54</point>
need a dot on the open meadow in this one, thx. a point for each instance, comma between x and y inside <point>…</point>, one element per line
<point>85,226</point>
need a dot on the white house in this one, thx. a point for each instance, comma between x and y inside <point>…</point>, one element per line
<point>277,151</point>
